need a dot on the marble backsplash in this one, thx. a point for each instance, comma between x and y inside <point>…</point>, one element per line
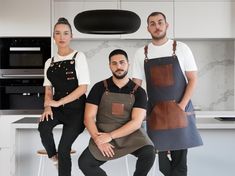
<point>214,58</point>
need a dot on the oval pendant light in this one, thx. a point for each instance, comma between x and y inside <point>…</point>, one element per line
<point>107,22</point>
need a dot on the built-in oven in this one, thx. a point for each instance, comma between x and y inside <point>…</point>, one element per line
<point>23,56</point>
<point>21,96</point>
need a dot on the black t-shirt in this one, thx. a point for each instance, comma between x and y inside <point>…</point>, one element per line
<point>98,89</point>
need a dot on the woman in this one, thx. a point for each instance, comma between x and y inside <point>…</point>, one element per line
<point>66,78</point>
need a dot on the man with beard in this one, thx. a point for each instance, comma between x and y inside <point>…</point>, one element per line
<point>169,69</point>
<point>114,112</point>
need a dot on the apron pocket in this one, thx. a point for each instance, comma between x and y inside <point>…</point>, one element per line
<point>167,115</point>
<point>162,75</point>
<point>118,109</point>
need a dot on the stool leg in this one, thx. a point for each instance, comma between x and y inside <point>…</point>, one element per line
<point>40,166</point>
<point>127,166</point>
<point>43,164</point>
<point>154,167</point>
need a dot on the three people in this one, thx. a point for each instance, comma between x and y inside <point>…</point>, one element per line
<point>116,107</point>
<point>115,110</point>
<point>66,77</point>
<point>169,69</point>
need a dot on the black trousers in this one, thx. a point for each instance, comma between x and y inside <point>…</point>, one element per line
<point>72,120</point>
<point>177,166</point>
<point>91,166</point>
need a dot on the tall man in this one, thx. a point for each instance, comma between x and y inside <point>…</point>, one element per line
<point>169,69</point>
<point>119,107</point>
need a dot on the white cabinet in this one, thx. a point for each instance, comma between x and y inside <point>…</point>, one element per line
<point>5,128</point>
<point>5,161</point>
<point>205,19</point>
<point>25,18</point>
<point>5,141</point>
<point>144,9</point>
<point>70,9</point>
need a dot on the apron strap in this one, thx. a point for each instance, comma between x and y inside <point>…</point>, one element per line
<point>134,89</point>
<point>52,61</point>
<point>146,53</point>
<point>74,56</point>
<point>174,47</point>
<point>106,86</point>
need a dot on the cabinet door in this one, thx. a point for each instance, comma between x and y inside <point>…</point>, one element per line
<point>144,9</point>
<point>70,9</point>
<point>25,18</point>
<point>5,161</point>
<point>205,19</point>
<point>5,128</point>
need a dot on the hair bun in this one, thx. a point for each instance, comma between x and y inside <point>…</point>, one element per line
<point>63,20</point>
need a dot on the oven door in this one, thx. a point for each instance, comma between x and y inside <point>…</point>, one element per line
<point>23,57</point>
<point>22,96</point>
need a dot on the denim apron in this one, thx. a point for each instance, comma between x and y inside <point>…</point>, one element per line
<point>115,111</point>
<point>168,126</point>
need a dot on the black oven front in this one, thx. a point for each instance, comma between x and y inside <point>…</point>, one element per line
<point>21,96</point>
<point>23,57</point>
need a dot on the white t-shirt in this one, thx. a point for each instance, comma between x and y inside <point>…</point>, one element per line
<point>183,52</point>
<point>81,67</point>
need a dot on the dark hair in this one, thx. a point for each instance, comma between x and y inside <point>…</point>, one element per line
<point>63,20</point>
<point>155,14</point>
<point>116,52</point>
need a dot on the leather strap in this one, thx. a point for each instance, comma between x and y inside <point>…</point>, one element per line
<point>174,47</point>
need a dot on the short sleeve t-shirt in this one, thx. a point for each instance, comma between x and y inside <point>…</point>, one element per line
<point>98,90</point>
<point>81,67</point>
<point>183,52</point>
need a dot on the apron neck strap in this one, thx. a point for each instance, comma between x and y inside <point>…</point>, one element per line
<point>74,56</point>
<point>134,89</point>
<point>174,47</point>
<point>52,60</point>
<point>146,52</point>
<point>106,86</point>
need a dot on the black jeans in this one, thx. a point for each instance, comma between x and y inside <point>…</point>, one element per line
<point>72,120</point>
<point>91,166</point>
<point>177,166</point>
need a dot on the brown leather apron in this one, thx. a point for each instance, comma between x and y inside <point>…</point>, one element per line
<point>114,111</point>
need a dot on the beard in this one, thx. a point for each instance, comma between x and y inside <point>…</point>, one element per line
<point>159,37</point>
<point>120,76</point>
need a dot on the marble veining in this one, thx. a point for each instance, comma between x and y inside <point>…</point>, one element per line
<point>214,58</point>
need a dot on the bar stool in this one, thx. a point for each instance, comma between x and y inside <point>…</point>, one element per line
<point>127,166</point>
<point>43,155</point>
<point>155,162</point>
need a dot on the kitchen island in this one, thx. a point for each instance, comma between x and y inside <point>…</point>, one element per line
<point>215,157</point>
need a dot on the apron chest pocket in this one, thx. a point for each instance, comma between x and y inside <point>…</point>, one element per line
<point>162,75</point>
<point>118,109</point>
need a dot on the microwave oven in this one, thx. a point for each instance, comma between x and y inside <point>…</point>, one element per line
<point>23,56</point>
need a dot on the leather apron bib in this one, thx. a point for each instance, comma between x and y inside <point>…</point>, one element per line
<point>168,126</point>
<point>115,111</point>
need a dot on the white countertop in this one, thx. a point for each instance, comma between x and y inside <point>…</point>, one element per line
<point>202,123</point>
<point>212,114</point>
<point>212,123</point>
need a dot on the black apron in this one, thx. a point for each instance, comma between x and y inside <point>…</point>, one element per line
<point>63,78</point>
<point>168,126</point>
<point>114,111</point>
